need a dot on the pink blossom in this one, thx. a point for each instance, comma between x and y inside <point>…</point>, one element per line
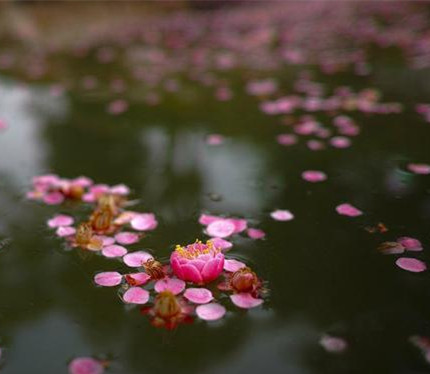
<point>198,262</point>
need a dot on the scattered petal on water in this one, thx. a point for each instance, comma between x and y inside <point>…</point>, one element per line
<point>60,220</point>
<point>348,210</point>
<point>126,238</point>
<point>282,215</point>
<point>210,312</point>
<point>85,365</point>
<point>215,139</point>
<point>117,106</point>
<point>411,264</point>
<point>314,176</point>
<point>136,259</point>
<point>108,279</point>
<point>233,265</point>
<point>333,344</point>
<point>410,244</point>
<point>221,243</point>
<point>175,286</point>
<point>221,228</point>
<point>137,279</point>
<point>106,240</point>
<point>136,295</point>
<point>245,300</point>
<point>423,169</point>
<point>256,233</point>
<point>340,142</point>
<point>198,295</point>
<point>114,251</point>
<point>53,198</point>
<point>64,231</point>
<point>286,139</point>
<point>144,222</point>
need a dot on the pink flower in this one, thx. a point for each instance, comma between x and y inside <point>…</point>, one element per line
<point>198,263</point>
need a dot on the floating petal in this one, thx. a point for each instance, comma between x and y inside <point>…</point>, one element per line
<point>198,295</point>
<point>210,312</point>
<point>175,286</point>
<point>136,295</point>
<point>245,300</point>
<point>108,279</point>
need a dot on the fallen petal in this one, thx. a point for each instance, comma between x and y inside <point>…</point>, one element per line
<point>256,233</point>
<point>221,228</point>
<point>282,215</point>
<point>233,265</point>
<point>411,264</point>
<point>144,222</point>
<point>136,259</point>
<point>60,220</point>
<point>333,344</point>
<point>348,210</point>
<point>210,312</point>
<point>136,295</point>
<point>198,295</point>
<point>126,238</point>
<point>314,176</point>
<point>108,279</point>
<point>175,286</point>
<point>63,231</point>
<point>137,279</point>
<point>245,300</point>
<point>114,251</point>
<point>85,365</point>
<point>410,244</point>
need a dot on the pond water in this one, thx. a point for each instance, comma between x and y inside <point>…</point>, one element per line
<point>323,270</point>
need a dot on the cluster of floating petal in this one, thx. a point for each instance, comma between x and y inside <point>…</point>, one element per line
<point>196,280</point>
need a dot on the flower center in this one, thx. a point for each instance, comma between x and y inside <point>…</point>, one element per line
<point>166,305</point>
<point>196,249</point>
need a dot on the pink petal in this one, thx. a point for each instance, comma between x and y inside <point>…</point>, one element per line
<point>108,279</point>
<point>176,286</point>
<point>340,142</point>
<point>411,264</point>
<point>106,240</point>
<point>60,220</point>
<point>127,238</point>
<point>138,278</point>
<point>144,222</point>
<point>198,295</point>
<point>120,189</point>
<point>239,224</point>
<point>333,344</point>
<point>114,251</point>
<point>282,215</point>
<point>210,312</point>
<point>64,231</point>
<point>221,243</point>
<point>206,219</point>
<point>410,244</point>
<point>314,176</point>
<point>245,300</point>
<point>214,139</point>
<point>221,228</point>
<point>191,273</point>
<point>136,259</point>
<point>233,265</point>
<point>256,233</point>
<point>286,139</point>
<point>117,106</point>
<point>136,295</point>
<point>348,210</point>
<point>85,365</point>
<point>53,198</point>
<point>422,169</point>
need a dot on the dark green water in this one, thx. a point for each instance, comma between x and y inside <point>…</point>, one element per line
<point>323,269</point>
